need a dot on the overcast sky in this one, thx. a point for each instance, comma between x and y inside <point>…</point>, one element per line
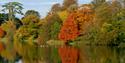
<point>42,6</point>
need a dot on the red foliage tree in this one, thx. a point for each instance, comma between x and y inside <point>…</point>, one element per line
<point>69,30</point>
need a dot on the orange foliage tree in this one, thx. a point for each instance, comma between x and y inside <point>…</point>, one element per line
<point>2,33</point>
<point>83,17</point>
<point>69,30</point>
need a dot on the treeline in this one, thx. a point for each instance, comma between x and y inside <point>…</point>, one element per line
<point>36,40</point>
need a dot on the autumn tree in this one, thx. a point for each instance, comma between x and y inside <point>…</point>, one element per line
<point>68,3</point>
<point>63,15</point>
<point>107,30</point>
<point>55,24</point>
<point>50,30</point>
<point>56,7</point>
<point>97,3</point>
<point>26,38</point>
<point>69,30</point>
<point>30,17</point>
<point>116,6</point>
<point>83,16</point>
<point>9,53</point>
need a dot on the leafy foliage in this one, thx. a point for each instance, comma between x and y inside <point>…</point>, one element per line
<point>2,32</point>
<point>13,8</point>
<point>96,29</point>
<point>69,30</point>
<point>3,17</point>
<point>32,12</point>
<point>63,15</point>
<point>68,3</point>
<point>84,18</point>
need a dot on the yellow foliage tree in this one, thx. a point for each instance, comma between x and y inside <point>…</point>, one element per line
<point>63,15</point>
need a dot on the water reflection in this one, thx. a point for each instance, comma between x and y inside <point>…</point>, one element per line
<point>88,54</point>
<point>103,54</point>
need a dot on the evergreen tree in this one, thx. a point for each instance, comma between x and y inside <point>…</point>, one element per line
<point>13,8</point>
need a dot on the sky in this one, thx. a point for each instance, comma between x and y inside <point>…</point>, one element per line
<point>42,6</point>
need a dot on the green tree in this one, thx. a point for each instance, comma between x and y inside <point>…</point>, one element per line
<point>3,17</point>
<point>32,12</point>
<point>13,8</point>
<point>51,27</point>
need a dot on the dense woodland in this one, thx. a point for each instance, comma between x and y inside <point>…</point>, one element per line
<point>70,33</point>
